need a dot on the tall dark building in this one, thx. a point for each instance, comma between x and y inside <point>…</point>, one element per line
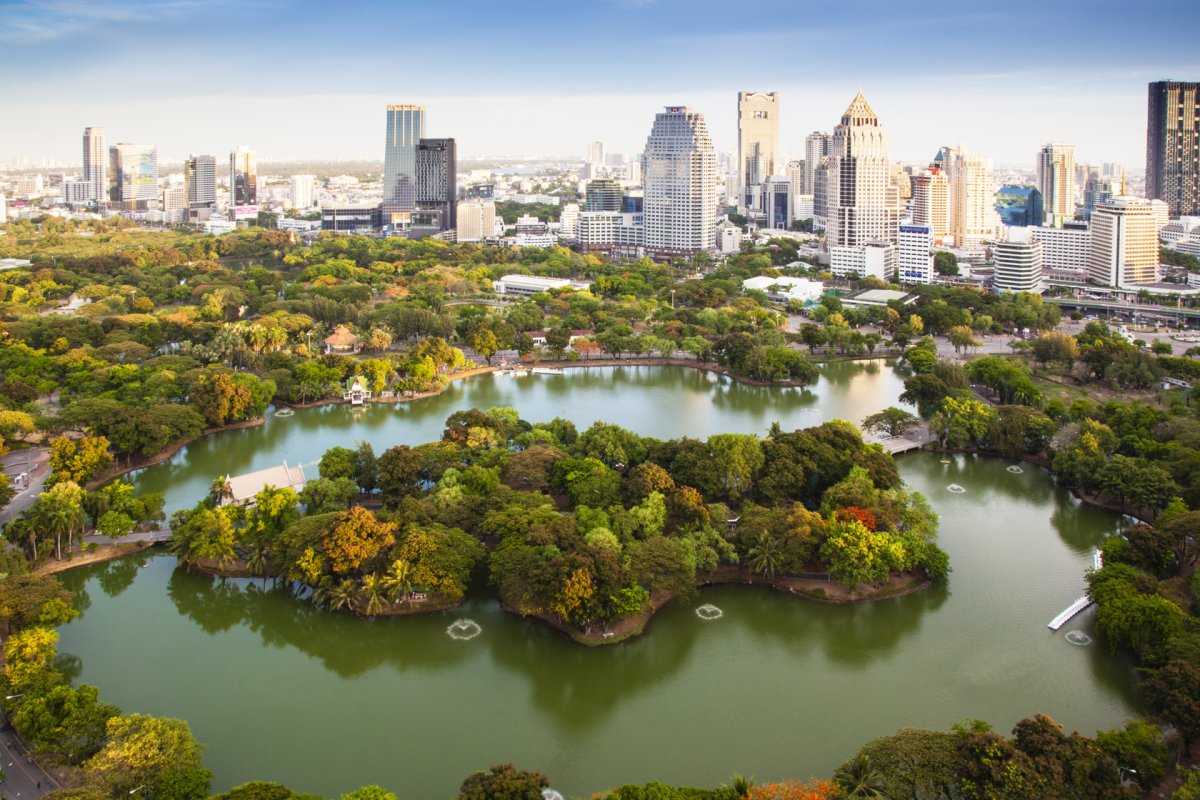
<point>603,194</point>
<point>1173,146</point>
<point>405,127</point>
<point>435,191</point>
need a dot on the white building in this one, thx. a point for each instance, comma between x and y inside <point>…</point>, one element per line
<point>914,257</point>
<point>863,205</point>
<point>775,203</point>
<point>680,179</point>
<point>729,238</point>
<point>610,231</point>
<point>783,289</point>
<point>568,221</point>
<point>795,173</point>
<point>476,220</point>
<point>532,284</point>
<point>931,202</point>
<point>303,191</point>
<point>1018,262</point>
<point>1124,243</point>
<point>243,488</point>
<point>872,260</point>
<point>1162,212</point>
<point>817,145</point>
<point>1056,182</point>
<point>1065,248</point>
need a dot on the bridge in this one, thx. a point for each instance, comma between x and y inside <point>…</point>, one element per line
<point>911,440</point>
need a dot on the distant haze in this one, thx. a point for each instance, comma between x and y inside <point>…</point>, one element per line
<point>310,80</point>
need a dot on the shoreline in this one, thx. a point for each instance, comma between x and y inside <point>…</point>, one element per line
<point>118,470</point>
<point>102,553</point>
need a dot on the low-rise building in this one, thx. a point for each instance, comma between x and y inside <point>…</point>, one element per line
<point>782,289</point>
<point>914,256</point>
<point>525,285</point>
<point>241,489</point>
<point>874,259</point>
<point>879,298</point>
<point>341,341</point>
<point>1064,248</point>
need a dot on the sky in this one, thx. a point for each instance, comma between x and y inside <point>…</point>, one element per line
<point>301,79</point>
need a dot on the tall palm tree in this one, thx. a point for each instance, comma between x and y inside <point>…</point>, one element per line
<point>256,558</point>
<point>221,490</point>
<point>341,596</point>
<point>859,778</point>
<point>372,592</point>
<point>764,556</point>
<point>398,580</point>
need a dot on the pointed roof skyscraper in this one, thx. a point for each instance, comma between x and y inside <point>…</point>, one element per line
<point>859,112</point>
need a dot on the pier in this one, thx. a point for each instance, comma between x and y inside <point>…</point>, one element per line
<point>1081,603</point>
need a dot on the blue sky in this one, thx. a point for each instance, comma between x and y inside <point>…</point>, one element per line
<point>310,79</point>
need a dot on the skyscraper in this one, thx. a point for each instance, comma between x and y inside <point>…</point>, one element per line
<point>931,202</point>
<point>1124,243</point>
<point>595,153</point>
<point>436,192</point>
<point>1173,146</point>
<point>133,172</point>
<point>973,217</point>
<point>95,163</point>
<point>816,146</point>
<point>405,128</point>
<point>679,169</point>
<point>863,205</point>
<point>200,181</point>
<point>1018,262</point>
<point>1056,182</point>
<point>243,177</point>
<point>303,191</point>
<point>758,138</point>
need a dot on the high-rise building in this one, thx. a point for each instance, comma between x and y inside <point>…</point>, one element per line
<point>1124,243</point>
<point>595,153</point>
<point>243,177</point>
<point>1018,262</point>
<point>795,173</point>
<point>405,128</point>
<point>303,191</point>
<point>435,188</point>
<point>1064,249</point>
<point>603,194</point>
<point>758,140</point>
<point>973,218</point>
<point>863,205</point>
<point>1056,182</point>
<point>931,202</point>
<point>1097,190</point>
<point>1019,206</point>
<point>777,202</point>
<point>914,254</point>
<point>816,146</point>
<point>95,163</point>
<point>476,219</point>
<point>820,194</point>
<point>200,181</point>
<point>133,172</point>
<point>679,169</point>
<point>1173,146</point>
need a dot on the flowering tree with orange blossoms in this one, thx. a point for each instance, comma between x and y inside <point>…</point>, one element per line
<point>866,517</point>
<point>794,790</point>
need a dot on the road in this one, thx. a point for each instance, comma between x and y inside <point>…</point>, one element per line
<point>33,460</point>
<point>23,780</point>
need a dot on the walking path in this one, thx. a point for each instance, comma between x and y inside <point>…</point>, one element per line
<point>35,462</point>
<point>23,779</point>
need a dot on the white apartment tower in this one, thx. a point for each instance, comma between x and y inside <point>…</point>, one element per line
<point>816,146</point>
<point>679,176</point>
<point>1056,182</point>
<point>1124,243</point>
<point>758,142</point>
<point>862,204</point>
<point>95,163</point>
<point>795,173</point>
<point>1018,262</point>
<point>931,202</point>
<point>595,153</point>
<point>303,191</point>
<point>476,220</point>
<point>973,218</point>
<point>914,254</point>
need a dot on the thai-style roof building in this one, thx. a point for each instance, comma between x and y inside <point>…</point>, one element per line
<point>342,340</point>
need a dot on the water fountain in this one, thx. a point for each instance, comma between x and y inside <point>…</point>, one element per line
<point>1015,470</point>
<point>1078,638</point>
<point>464,629</point>
<point>954,487</point>
<point>708,611</point>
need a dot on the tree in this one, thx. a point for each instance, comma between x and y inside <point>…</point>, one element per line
<point>337,462</point>
<point>34,600</point>
<point>855,554</point>
<point>945,262</point>
<point>736,460</point>
<point>399,471</point>
<point>504,782</point>
<point>859,778</point>
<point>765,556</point>
<point>60,512</point>
<point>484,342</point>
<point>156,752</point>
<point>1139,746</point>
<point>371,792</point>
<point>78,460</point>
<point>357,538</point>
<point>891,421</point>
<point>65,721</point>
<point>961,422</point>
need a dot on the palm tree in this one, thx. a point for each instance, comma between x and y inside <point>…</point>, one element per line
<point>256,558</point>
<point>764,556</point>
<point>398,580</point>
<point>341,597</point>
<point>221,490</point>
<point>372,590</point>
<point>859,778</point>
<point>321,592</point>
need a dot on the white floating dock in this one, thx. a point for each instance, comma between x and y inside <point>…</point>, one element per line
<point>1070,611</point>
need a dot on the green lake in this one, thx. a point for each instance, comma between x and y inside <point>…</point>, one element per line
<point>776,687</point>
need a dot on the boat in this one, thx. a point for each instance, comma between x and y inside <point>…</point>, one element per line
<point>548,371</point>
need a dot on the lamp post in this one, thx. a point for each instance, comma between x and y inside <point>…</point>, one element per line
<point>1122,770</point>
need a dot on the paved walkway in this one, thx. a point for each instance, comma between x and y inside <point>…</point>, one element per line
<point>35,461</point>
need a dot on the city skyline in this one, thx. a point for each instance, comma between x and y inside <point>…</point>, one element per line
<point>978,75</point>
